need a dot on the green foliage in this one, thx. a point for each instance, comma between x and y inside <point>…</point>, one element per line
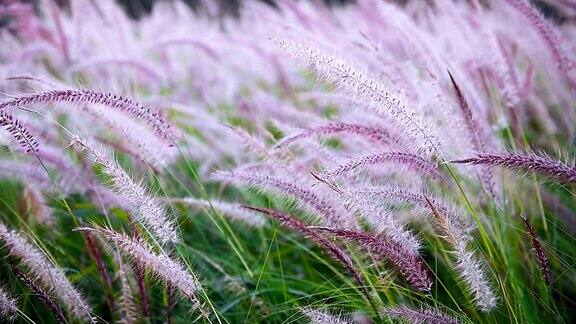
<point>264,275</point>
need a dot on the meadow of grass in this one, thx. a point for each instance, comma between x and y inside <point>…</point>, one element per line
<point>378,162</point>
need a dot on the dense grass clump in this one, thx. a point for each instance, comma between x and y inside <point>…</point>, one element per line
<point>371,163</point>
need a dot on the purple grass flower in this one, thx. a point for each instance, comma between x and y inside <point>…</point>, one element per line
<point>423,315</point>
<point>94,251</point>
<point>313,234</point>
<point>134,138</point>
<point>21,134</point>
<point>478,138</point>
<point>127,306</point>
<point>410,264</point>
<point>379,97</point>
<point>139,273</point>
<point>539,252</point>
<point>250,143</point>
<point>146,208</point>
<point>324,208</point>
<point>26,172</point>
<point>153,118</point>
<point>530,162</point>
<point>373,134</point>
<point>43,295</point>
<point>8,306</point>
<point>382,221</point>
<point>455,229</point>
<point>41,269</point>
<point>160,264</point>
<point>404,160</point>
<point>318,317</point>
<point>469,267</point>
<point>548,34</point>
<point>232,210</point>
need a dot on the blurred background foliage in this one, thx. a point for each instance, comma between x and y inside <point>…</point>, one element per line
<point>139,8</point>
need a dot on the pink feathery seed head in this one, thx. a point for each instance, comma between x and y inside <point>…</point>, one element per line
<point>468,266</point>
<point>26,172</point>
<point>317,317</point>
<point>94,251</point>
<point>399,195</point>
<point>378,96</point>
<point>328,183</point>
<point>546,31</point>
<point>42,270</point>
<point>362,201</point>
<point>155,119</point>
<point>408,161</point>
<point>71,178</point>
<point>373,134</point>
<point>409,263</point>
<point>146,208</point>
<point>134,138</point>
<point>26,141</point>
<point>142,292</point>
<point>230,209</point>
<point>8,306</point>
<point>43,295</point>
<point>316,203</point>
<point>285,219</point>
<point>316,236</point>
<point>530,162</point>
<point>476,133</point>
<point>474,275</point>
<point>422,315</point>
<point>160,264</point>
<point>454,231</point>
<point>539,252</point>
<point>250,142</point>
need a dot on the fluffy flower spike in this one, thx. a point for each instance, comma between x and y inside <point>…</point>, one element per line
<point>526,161</point>
<point>152,118</point>
<point>45,272</point>
<point>21,134</point>
<point>8,306</point>
<point>146,208</point>
<point>160,264</point>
